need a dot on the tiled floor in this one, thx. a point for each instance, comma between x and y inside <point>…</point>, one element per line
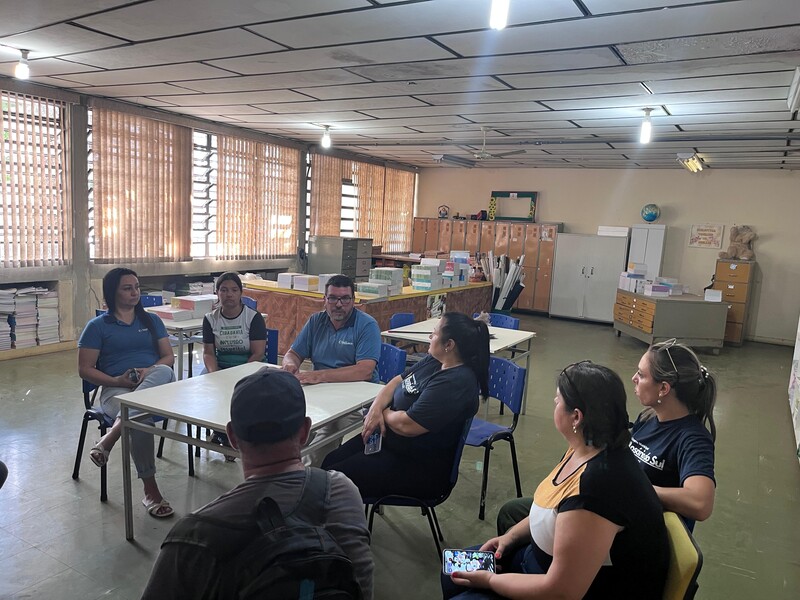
<point>57,541</point>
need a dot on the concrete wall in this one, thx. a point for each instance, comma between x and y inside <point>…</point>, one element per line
<point>769,201</point>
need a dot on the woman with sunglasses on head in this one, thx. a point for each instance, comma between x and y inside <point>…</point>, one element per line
<point>595,528</point>
<point>421,415</point>
<point>669,437</point>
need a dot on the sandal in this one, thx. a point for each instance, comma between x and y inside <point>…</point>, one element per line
<point>99,455</point>
<point>159,510</point>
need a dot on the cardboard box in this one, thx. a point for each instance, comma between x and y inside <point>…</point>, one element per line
<point>286,280</point>
<point>308,283</point>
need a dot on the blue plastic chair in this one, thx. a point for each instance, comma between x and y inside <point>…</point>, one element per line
<point>501,320</point>
<point>104,422</point>
<point>272,346</point>
<point>426,504</point>
<point>392,363</point>
<point>400,320</point>
<point>250,302</point>
<point>151,300</point>
<point>507,384</point>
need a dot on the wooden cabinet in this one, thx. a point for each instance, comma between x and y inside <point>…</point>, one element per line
<point>458,241</point>
<point>473,241</point>
<point>539,249</point>
<point>688,318</point>
<point>418,233</point>
<point>445,235</point>
<point>734,278</point>
<point>516,239</point>
<point>585,275</point>
<point>487,236</point>
<point>501,234</point>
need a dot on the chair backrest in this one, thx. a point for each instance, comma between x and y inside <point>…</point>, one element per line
<point>250,302</point>
<point>272,346</point>
<point>507,383</point>
<point>459,453</point>
<point>99,311</point>
<point>400,320</point>
<point>504,321</point>
<point>88,397</point>
<point>151,300</point>
<point>392,362</point>
<point>685,560</point>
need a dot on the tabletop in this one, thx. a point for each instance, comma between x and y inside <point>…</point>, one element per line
<point>205,400</point>
<point>420,332</point>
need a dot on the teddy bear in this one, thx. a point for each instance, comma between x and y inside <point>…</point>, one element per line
<point>741,246</point>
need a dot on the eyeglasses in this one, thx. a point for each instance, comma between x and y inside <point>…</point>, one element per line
<point>666,346</point>
<point>344,300</point>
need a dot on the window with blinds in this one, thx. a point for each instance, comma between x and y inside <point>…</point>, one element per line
<point>141,186</point>
<point>354,198</point>
<point>35,209</point>
<point>258,190</point>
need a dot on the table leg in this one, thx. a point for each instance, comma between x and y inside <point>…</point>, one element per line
<point>180,355</point>
<point>527,378</point>
<point>126,472</point>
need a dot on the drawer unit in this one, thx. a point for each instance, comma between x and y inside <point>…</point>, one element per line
<point>330,254</point>
<point>687,318</point>
<point>734,278</point>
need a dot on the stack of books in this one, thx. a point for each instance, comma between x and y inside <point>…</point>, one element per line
<point>47,317</point>
<point>198,305</point>
<point>25,321</point>
<point>7,307</point>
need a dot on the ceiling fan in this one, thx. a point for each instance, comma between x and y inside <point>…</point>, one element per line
<point>482,154</point>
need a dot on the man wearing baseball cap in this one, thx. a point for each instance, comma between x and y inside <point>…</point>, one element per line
<point>269,427</point>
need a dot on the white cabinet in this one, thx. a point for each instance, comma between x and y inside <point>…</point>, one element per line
<point>647,247</point>
<point>586,274</point>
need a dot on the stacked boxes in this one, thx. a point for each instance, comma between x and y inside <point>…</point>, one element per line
<point>323,280</point>
<point>199,305</point>
<point>375,288</point>
<point>390,276</point>
<point>427,277</point>
<point>286,280</point>
<point>308,283</point>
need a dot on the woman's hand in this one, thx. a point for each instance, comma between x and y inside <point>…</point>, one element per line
<point>372,421</point>
<point>499,545</point>
<point>474,579</point>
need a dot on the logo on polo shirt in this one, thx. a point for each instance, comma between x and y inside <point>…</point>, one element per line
<point>345,342</point>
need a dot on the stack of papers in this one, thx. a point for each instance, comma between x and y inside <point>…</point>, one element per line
<point>25,320</point>
<point>199,304</point>
<point>47,313</point>
<point>5,332</point>
<point>170,313</point>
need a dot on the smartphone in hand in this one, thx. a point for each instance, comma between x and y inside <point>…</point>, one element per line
<point>467,560</point>
<point>374,441</point>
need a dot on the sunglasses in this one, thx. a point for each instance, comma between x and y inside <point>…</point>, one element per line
<point>666,346</point>
<point>565,373</point>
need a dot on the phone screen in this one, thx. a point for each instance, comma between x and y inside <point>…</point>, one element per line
<point>374,442</point>
<point>467,560</point>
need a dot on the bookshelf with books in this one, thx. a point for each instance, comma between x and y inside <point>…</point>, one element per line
<point>30,320</point>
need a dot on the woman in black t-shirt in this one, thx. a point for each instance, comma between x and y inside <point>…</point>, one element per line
<point>421,415</point>
<point>595,529</point>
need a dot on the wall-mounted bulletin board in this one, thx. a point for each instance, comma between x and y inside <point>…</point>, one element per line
<point>513,206</point>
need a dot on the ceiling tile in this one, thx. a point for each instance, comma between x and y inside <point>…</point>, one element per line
<point>45,67</point>
<point>694,98</point>
<point>410,20</point>
<point>235,98</point>
<point>726,107</point>
<point>394,88</point>
<point>190,48</point>
<point>176,17</point>
<point>58,40</point>
<point>274,81</point>
<point>148,74</point>
<point>41,13</point>
<point>360,104</point>
<point>724,82</point>
<point>396,51</point>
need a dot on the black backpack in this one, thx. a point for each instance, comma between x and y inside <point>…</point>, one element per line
<point>293,557</point>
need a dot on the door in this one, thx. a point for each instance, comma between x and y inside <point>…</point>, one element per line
<point>432,236</point>
<point>418,235</point>
<point>445,232</point>
<point>528,279</point>
<point>473,236</point>
<point>501,233</point>
<point>605,261</point>
<point>487,236</point>
<point>458,241</point>
<point>516,241</point>
<point>569,275</point>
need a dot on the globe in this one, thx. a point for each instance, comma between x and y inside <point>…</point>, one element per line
<point>651,212</point>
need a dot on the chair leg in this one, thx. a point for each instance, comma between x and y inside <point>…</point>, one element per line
<point>197,436</point>
<point>502,408</point>
<point>515,465</point>
<point>190,357</point>
<point>436,522</point>
<point>433,531</point>
<point>485,481</point>
<point>161,441</point>
<point>79,453</point>
<point>189,447</point>
<point>103,473</point>
<point>371,517</point>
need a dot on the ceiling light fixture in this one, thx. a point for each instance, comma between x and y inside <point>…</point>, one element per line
<point>647,127</point>
<point>456,161</point>
<point>794,92</point>
<point>690,161</point>
<point>22,71</point>
<point>498,18</point>
<point>325,142</point>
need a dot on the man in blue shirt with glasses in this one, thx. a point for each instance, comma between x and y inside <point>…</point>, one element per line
<point>343,344</point>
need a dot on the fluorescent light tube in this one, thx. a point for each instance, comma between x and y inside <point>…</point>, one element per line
<point>498,18</point>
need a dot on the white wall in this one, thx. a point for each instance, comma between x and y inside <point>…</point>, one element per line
<point>769,201</point>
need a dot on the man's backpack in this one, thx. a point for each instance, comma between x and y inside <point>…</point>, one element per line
<point>293,557</point>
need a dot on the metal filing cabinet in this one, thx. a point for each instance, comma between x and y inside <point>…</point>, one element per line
<point>349,256</point>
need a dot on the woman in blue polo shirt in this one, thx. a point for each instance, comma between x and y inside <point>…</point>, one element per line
<point>122,350</point>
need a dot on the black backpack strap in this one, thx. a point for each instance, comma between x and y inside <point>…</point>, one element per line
<point>310,507</point>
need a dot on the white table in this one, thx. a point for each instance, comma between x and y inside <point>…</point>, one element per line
<point>182,330</point>
<point>205,402</point>
<point>503,339</point>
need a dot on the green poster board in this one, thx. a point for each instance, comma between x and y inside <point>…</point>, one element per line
<point>513,206</point>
